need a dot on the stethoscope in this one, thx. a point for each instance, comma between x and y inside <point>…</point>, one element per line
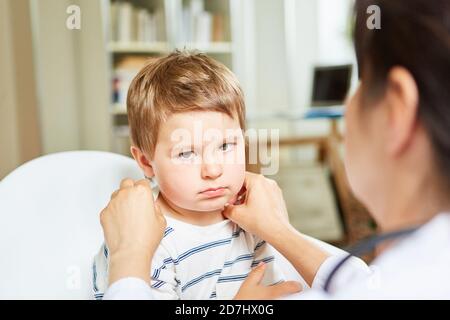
<point>365,247</point>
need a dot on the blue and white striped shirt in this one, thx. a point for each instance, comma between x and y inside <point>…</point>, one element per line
<point>199,262</point>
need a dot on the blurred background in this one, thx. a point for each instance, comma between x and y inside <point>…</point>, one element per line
<point>63,84</point>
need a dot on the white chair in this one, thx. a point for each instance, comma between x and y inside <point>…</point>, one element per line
<point>50,230</point>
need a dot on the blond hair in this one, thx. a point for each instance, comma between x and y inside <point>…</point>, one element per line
<point>182,81</point>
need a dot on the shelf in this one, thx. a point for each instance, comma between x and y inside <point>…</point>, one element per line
<point>213,47</point>
<point>138,47</point>
<point>118,109</point>
<point>163,47</point>
<point>122,131</point>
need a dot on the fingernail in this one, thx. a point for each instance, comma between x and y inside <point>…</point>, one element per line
<point>226,204</point>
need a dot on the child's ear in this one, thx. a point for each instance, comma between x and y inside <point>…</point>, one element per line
<point>142,161</point>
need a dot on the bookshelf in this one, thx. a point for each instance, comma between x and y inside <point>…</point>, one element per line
<point>138,30</point>
<point>137,47</point>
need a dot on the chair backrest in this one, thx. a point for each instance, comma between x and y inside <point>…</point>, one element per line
<point>49,228</point>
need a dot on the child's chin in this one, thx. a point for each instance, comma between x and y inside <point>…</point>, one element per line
<point>213,204</point>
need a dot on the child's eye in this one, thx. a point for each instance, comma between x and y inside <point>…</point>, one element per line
<point>227,146</point>
<point>186,155</point>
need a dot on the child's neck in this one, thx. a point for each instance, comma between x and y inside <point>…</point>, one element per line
<point>199,218</point>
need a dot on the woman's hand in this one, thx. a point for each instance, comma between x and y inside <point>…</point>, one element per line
<point>251,289</point>
<point>133,228</point>
<point>263,212</point>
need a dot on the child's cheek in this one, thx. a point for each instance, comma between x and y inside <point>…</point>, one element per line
<point>177,181</point>
<point>235,174</point>
<point>175,190</point>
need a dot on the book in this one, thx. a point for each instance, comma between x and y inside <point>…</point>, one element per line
<point>124,22</point>
<point>124,72</point>
<point>203,26</point>
<point>131,23</point>
<point>218,30</point>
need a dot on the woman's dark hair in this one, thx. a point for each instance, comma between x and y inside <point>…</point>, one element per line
<point>414,34</point>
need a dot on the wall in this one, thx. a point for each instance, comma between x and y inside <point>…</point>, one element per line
<point>73,78</point>
<point>93,78</point>
<point>19,125</point>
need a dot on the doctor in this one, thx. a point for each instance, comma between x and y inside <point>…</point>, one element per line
<point>397,157</point>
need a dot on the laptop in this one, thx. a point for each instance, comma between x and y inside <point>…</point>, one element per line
<point>329,90</point>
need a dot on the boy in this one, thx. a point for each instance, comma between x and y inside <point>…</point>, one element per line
<point>186,114</point>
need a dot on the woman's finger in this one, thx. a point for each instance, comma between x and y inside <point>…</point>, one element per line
<point>251,179</point>
<point>126,183</point>
<point>114,194</point>
<point>231,211</point>
<point>255,276</point>
<point>103,216</point>
<point>143,182</point>
<point>285,288</point>
<point>159,213</point>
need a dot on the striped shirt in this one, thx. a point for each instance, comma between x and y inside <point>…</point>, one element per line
<point>199,262</point>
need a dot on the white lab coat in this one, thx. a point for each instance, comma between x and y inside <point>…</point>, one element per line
<point>415,267</point>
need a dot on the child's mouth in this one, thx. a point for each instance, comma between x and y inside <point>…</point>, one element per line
<point>213,192</point>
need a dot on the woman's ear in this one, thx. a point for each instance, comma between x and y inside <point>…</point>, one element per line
<point>403,102</point>
<point>142,161</point>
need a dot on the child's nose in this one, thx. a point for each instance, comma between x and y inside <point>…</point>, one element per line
<point>211,170</point>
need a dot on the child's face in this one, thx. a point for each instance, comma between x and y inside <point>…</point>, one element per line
<point>197,151</point>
